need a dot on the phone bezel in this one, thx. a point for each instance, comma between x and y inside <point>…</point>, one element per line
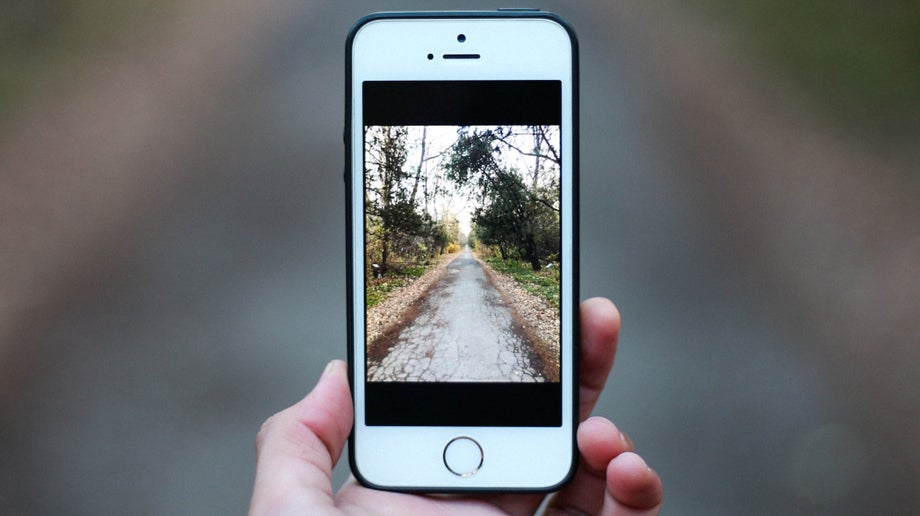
<point>570,369</point>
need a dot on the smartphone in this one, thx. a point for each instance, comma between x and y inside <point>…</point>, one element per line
<point>461,178</point>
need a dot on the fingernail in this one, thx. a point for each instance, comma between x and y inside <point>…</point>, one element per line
<point>627,442</point>
<point>329,367</point>
<point>635,459</point>
<point>333,367</point>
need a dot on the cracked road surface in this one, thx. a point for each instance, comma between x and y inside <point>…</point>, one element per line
<point>464,332</point>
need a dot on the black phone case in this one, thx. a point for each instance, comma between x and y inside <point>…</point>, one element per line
<point>501,13</point>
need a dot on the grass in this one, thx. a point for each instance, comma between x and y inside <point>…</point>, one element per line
<point>399,276</point>
<point>543,284</point>
<point>857,62</point>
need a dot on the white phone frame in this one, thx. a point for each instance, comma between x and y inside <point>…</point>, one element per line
<point>512,46</point>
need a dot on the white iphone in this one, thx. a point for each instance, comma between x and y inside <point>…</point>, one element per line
<point>461,178</point>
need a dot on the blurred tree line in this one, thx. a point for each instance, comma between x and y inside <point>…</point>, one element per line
<point>858,62</point>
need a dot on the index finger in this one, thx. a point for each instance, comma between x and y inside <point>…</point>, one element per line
<point>600,328</point>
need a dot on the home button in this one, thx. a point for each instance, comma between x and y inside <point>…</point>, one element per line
<point>463,456</point>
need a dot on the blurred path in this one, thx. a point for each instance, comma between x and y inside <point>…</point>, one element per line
<point>89,160</point>
<point>464,332</point>
<point>823,224</point>
<point>197,284</point>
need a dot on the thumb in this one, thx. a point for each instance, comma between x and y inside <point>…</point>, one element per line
<point>297,448</point>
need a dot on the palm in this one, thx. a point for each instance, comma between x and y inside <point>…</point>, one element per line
<point>355,498</point>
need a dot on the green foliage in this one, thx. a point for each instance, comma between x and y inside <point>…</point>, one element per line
<point>378,289</point>
<point>859,61</point>
<point>414,271</point>
<point>520,219</point>
<point>390,212</point>
<point>543,283</point>
<point>398,229</point>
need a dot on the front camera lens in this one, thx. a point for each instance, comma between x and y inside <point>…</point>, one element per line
<point>430,57</point>
<point>461,37</point>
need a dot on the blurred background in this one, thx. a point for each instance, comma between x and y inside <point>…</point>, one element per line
<point>172,255</point>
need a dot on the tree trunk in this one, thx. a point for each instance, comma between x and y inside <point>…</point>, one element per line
<point>384,256</point>
<point>531,248</point>
<point>418,169</point>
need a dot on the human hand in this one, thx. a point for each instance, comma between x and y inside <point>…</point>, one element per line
<point>297,448</point>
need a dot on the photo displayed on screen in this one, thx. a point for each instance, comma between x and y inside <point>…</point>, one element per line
<point>462,249</point>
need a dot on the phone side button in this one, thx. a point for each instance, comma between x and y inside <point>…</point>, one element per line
<point>463,456</point>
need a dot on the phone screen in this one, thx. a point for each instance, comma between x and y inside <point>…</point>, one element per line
<point>461,178</point>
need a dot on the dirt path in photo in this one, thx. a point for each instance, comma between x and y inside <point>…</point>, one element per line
<point>463,332</point>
